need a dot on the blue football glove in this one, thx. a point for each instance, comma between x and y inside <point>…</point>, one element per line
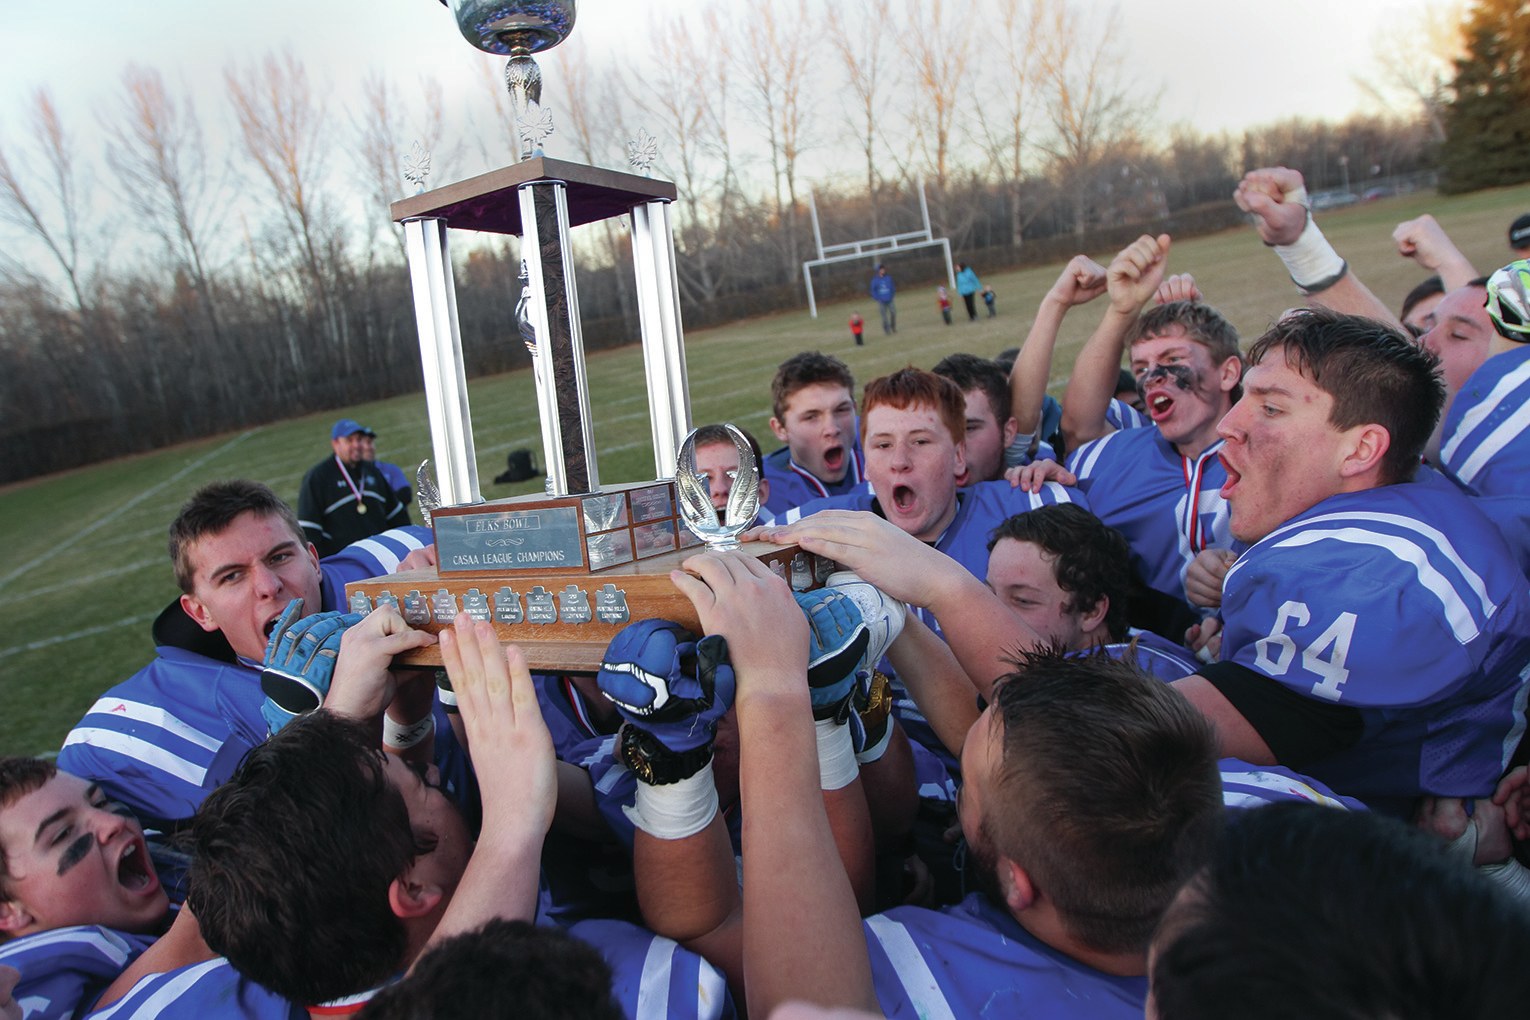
<point>667,684</point>
<point>837,640</point>
<point>300,661</point>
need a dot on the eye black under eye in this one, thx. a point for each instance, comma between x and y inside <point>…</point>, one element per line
<point>75,852</point>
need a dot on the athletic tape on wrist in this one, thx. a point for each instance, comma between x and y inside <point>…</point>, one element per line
<point>675,810</point>
<point>1018,451</point>
<point>1510,876</point>
<point>402,736</point>
<point>837,767</point>
<point>1313,264</point>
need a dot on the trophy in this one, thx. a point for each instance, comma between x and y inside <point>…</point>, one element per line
<point>558,574</point>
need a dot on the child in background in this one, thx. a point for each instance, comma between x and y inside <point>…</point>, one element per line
<point>857,328</point>
<point>988,299</point>
<point>945,303</point>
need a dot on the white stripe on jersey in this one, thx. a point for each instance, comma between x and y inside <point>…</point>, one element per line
<point>913,972</point>
<point>1436,537</point>
<point>653,986</point>
<point>1490,447</point>
<point>1517,731</point>
<point>1087,455</point>
<point>1479,412</point>
<point>172,990</point>
<point>90,936</point>
<point>1458,614</point>
<point>154,716</point>
<point>386,557</point>
<point>139,749</point>
<point>711,990</point>
<point>1059,493</point>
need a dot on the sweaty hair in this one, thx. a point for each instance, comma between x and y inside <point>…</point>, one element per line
<point>1108,793</point>
<point>1425,290</point>
<point>914,387</point>
<point>971,372</point>
<point>1089,558</point>
<point>1374,374</point>
<point>1311,911</point>
<point>505,968</point>
<point>1201,323</point>
<point>292,859</point>
<point>18,777</point>
<point>718,435</point>
<point>211,509</point>
<point>807,369</point>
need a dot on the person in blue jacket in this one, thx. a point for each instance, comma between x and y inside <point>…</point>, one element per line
<point>882,290</point>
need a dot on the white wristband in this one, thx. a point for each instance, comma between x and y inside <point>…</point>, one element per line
<point>1510,876</point>
<point>675,810</point>
<point>399,736</point>
<point>837,767</point>
<point>1313,264</point>
<point>1018,452</point>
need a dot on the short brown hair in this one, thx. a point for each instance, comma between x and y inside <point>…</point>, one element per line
<point>1108,794</point>
<point>19,777</point>
<point>718,435</point>
<point>807,369</point>
<point>1201,323</point>
<point>1374,374</point>
<point>914,387</point>
<point>211,509</point>
<point>971,372</point>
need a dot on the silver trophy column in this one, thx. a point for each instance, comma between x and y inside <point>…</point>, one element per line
<point>658,293</point>
<point>446,395</point>
<point>563,395</point>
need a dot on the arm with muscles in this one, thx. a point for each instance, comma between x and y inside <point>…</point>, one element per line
<point>1424,241</point>
<point>792,867</point>
<point>939,686</point>
<point>513,757</point>
<point>671,691</point>
<point>1132,278</point>
<point>979,628</point>
<point>1277,199</point>
<point>1082,280</point>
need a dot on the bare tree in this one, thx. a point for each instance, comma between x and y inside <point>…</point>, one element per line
<point>157,153</point>
<point>284,129</point>
<point>1415,61</point>
<point>863,56</point>
<point>1092,109</point>
<point>1011,98</point>
<point>52,212</point>
<point>936,42</point>
<point>779,49</point>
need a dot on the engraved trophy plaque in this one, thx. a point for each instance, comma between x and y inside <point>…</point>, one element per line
<point>558,574</point>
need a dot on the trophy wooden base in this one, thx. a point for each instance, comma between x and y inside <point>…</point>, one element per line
<point>562,622</point>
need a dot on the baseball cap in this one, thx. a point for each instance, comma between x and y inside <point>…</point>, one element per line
<point>349,427</point>
<point>1519,233</point>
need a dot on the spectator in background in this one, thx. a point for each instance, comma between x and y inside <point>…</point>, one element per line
<point>967,285</point>
<point>858,329</point>
<point>989,299</point>
<point>345,498</point>
<point>882,291</point>
<point>392,472</point>
<point>943,299</point>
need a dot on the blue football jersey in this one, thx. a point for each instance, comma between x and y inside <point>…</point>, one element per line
<point>653,977</point>
<point>212,988</point>
<point>65,970</point>
<point>1250,786</point>
<point>162,739</point>
<point>1486,445</point>
<point>974,959</point>
<point>1154,655</point>
<point>1167,506</point>
<point>792,485</point>
<point>1404,603</point>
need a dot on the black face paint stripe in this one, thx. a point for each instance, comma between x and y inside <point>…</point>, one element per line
<point>75,852</point>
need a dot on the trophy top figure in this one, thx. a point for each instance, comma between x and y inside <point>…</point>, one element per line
<point>514,27</point>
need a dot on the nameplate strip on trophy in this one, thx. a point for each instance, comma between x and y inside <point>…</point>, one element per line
<point>541,607</point>
<point>509,539</point>
<point>416,609</point>
<point>475,605</point>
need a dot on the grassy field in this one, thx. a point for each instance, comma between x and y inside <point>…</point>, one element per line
<point>88,570</point>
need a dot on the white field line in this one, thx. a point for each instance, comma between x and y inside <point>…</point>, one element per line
<point>101,522</point>
<point>75,582</point>
<point>75,635</point>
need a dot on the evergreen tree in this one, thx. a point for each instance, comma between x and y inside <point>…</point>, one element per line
<point>1487,133</point>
